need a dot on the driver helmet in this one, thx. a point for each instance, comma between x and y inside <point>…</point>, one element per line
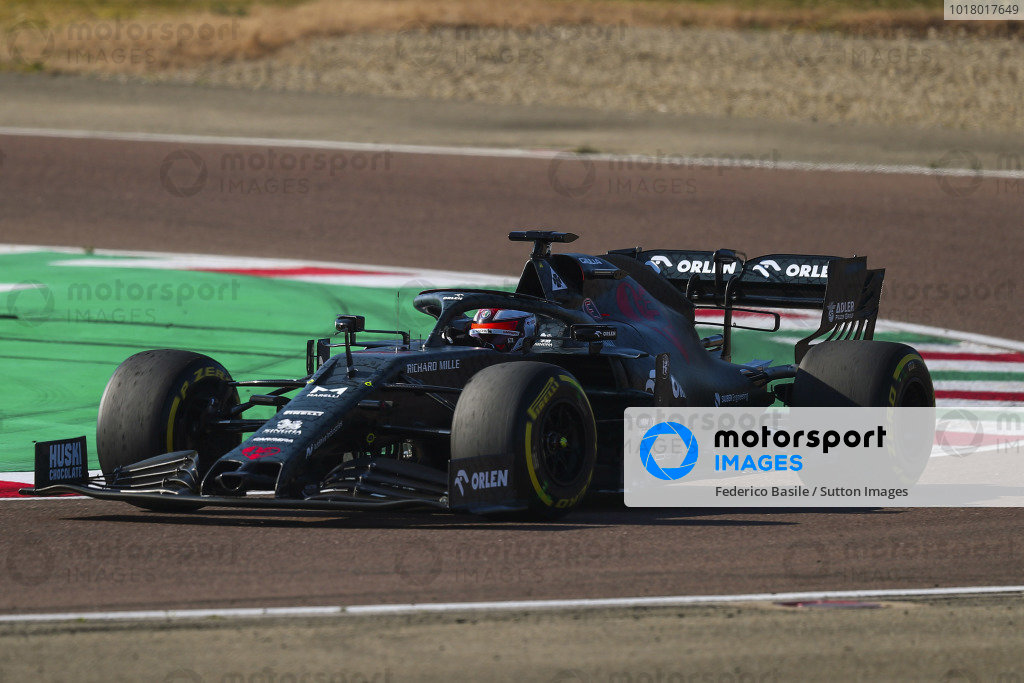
<point>503,329</point>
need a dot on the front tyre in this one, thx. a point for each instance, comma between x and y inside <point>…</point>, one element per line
<point>538,414</point>
<point>161,401</point>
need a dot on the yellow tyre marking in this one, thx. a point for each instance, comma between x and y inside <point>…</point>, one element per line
<point>906,359</point>
<point>570,380</point>
<point>170,424</point>
<point>547,500</point>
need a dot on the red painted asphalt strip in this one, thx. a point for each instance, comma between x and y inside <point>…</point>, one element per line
<point>292,272</point>
<point>981,395</point>
<point>9,489</point>
<point>1010,357</point>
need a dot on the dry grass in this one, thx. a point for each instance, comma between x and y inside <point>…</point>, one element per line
<point>59,36</point>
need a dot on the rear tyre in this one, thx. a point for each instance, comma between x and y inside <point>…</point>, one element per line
<point>868,374</point>
<point>161,401</point>
<point>863,373</point>
<point>539,414</point>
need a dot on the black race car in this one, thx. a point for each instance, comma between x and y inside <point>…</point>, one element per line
<point>452,422</point>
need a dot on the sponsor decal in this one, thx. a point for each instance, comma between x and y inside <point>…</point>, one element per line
<point>814,271</point>
<point>460,479</point>
<point>490,479</point>
<point>61,461</point>
<point>842,310</point>
<point>677,389</point>
<point>209,371</point>
<point>285,426</point>
<point>691,266</point>
<point>480,480</point>
<point>726,399</point>
<point>435,365</point>
<point>257,452</point>
<point>760,268</point>
<point>590,308</point>
<point>556,282</point>
<point>543,399</point>
<point>324,392</point>
<point>591,261</point>
<point>304,413</point>
<point>498,332</point>
<point>322,440</point>
<point>807,270</point>
<point>272,438</point>
<point>766,268</point>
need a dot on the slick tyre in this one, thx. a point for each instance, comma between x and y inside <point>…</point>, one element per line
<point>869,374</point>
<point>538,414</point>
<point>161,401</point>
<point>862,373</point>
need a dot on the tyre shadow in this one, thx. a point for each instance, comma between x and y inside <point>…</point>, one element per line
<point>587,518</point>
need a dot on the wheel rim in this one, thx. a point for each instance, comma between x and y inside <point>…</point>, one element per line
<point>205,403</point>
<point>914,395</point>
<point>563,443</point>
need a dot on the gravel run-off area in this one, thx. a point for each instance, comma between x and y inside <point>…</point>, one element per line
<point>939,82</point>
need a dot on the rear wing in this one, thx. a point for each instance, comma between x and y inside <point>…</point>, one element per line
<point>844,289</point>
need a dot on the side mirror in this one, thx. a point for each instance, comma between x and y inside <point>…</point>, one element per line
<point>592,333</point>
<point>350,323</point>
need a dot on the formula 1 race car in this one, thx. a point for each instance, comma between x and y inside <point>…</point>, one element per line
<point>513,403</point>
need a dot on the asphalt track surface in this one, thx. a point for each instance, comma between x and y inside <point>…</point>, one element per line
<point>451,212</point>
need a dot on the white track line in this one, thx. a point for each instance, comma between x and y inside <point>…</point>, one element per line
<point>518,605</point>
<point>1011,344</point>
<point>498,152</point>
<point>162,260</point>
